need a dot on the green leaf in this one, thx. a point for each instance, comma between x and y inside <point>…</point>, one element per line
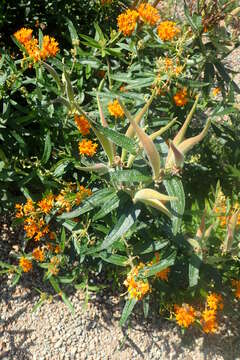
<point>38,305</point>
<point>193,269</point>
<point>58,290</point>
<point>107,207</point>
<point>115,259</point>
<point>60,168</point>
<point>174,187</point>
<point>146,306</point>
<point>98,198</point>
<point>148,271</point>
<point>72,30</point>
<point>15,279</point>
<point>225,76</point>
<point>126,220</point>
<point>149,246</point>
<point>63,239</point>
<point>128,308</point>
<point>118,138</point>
<point>67,302</point>
<point>47,149</point>
<point>129,176</point>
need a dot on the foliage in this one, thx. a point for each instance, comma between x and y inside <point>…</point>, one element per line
<point>106,133</point>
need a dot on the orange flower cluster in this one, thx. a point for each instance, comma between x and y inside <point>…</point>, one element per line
<point>185,315</point>
<point>46,204</point>
<point>115,109</point>
<point>208,320</point>
<point>148,14</point>
<point>136,288</point>
<point>23,35</point>
<point>236,284</point>
<point>38,254</point>
<point>82,194</point>
<point>180,98</point>
<point>35,228</point>
<point>127,22</point>
<point>170,67</point>
<point>49,46</point>
<point>82,124</point>
<point>221,209</point>
<point>162,275</point>
<point>87,147</point>
<point>25,264</point>
<point>216,91</point>
<point>167,30</point>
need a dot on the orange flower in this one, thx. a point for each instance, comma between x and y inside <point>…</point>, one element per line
<point>127,22</point>
<point>25,264</point>
<point>208,321</point>
<point>163,275</point>
<point>62,202</point>
<point>19,213</point>
<point>46,204</point>
<point>49,47</point>
<point>28,208</point>
<point>82,124</point>
<point>82,194</point>
<point>167,30</point>
<point>148,14</point>
<point>214,301</point>
<point>236,284</point>
<point>185,315</point>
<point>115,109</point>
<point>33,49</point>
<point>180,98</point>
<point>30,227</point>
<point>38,254</point>
<point>216,91</point>
<point>23,35</point>
<point>136,288</point>
<point>87,147</point>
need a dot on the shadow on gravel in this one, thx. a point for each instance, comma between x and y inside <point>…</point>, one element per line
<point>17,348</point>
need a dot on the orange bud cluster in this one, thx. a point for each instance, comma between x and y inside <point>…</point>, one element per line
<point>148,14</point>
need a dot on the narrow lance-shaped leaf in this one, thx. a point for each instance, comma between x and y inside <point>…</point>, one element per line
<point>188,144</point>
<point>69,88</point>
<point>54,74</point>
<point>147,143</point>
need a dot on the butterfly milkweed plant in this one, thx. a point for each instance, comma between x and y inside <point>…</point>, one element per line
<point>124,147</point>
